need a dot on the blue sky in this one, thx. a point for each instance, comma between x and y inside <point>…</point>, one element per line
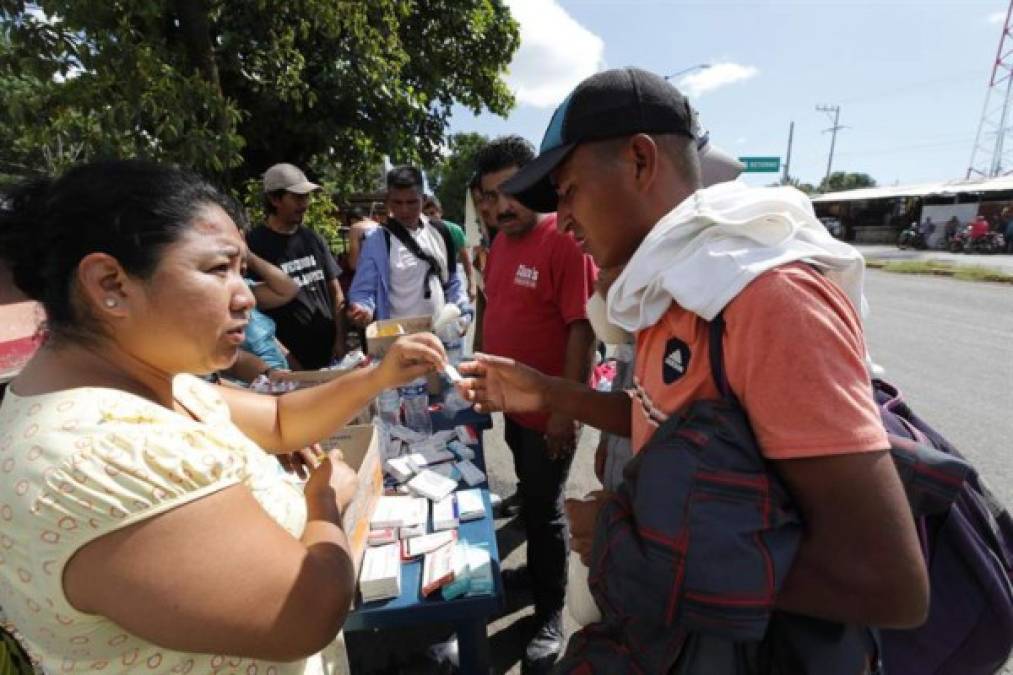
<point>910,76</point>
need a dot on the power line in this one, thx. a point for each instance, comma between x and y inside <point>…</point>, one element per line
<point>905,148</point>
<point>894,91</point>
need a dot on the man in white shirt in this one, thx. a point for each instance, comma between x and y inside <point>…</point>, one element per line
<point>403,269</point>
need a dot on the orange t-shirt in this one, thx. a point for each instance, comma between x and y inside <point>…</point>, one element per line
<point>794,356</point>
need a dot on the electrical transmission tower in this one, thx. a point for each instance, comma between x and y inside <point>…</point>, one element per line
<point>992,154</point>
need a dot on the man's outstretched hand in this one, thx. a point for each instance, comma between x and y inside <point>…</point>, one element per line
<point>497,384</point>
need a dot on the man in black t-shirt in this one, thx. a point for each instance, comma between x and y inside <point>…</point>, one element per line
<point>310,325</point>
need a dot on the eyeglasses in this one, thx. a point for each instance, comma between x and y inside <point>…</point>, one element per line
<point>489,197</point>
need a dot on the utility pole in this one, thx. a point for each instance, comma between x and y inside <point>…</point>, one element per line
<point>787,161</point>
<point>836,110</point>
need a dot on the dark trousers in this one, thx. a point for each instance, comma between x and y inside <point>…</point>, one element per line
<point>542,481</point>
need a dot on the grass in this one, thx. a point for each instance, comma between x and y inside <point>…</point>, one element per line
<point>942,268</point>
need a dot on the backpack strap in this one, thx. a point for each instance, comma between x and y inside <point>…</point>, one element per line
<point>715,346</point>
<point>393,227</point>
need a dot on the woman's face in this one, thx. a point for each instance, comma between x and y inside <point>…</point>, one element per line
<point>194,308</point>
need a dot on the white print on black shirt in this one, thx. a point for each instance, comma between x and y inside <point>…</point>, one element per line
<point>301,264</point>
<point>526,276</point>
<point>675,360</point>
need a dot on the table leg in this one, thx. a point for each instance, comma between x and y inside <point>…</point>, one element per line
<point>472,647</point>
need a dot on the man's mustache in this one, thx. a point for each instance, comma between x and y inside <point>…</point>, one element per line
<point>503,217</point>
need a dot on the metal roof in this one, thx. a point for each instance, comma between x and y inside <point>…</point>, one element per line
<point>920,190</point>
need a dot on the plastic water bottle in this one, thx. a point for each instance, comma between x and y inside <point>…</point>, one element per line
<point>389,405</point>
<point>453,343</point>
<point>415,402</point>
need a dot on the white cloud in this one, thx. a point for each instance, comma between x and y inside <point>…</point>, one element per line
<point>716,76</point>
<point>555,54</point>
<point>996,17</point>
<point>741,140</point>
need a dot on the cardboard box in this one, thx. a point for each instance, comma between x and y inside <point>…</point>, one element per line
<point>312,378</point>
<point>377,346</point>
<point>361,448</point>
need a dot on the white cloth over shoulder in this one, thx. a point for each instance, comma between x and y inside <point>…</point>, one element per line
<point>717,241</point>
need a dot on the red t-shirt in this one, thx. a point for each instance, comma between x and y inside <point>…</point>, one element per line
<point>794,356</point>
<point>979,228</point>
<point>536,285</point>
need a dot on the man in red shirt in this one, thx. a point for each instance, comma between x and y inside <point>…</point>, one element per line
<point>979,228</point>
<point>537,282</point>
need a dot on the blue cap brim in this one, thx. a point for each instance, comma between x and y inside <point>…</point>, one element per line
<point>531,185</point>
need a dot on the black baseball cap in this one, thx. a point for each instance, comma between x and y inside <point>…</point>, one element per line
<point>609,104</point>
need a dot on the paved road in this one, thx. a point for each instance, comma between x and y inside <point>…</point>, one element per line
<point>1001,262</point>
<point>948,345</point>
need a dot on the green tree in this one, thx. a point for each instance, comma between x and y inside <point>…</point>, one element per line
<point>807,188</point>
<point>843,180</point>
<point>451,175</point>
<point>230,88</point>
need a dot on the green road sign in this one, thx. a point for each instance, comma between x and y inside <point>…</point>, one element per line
<point>761,164</point>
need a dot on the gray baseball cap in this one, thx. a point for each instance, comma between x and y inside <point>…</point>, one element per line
<point>716,165</point>
<point>288,177</point>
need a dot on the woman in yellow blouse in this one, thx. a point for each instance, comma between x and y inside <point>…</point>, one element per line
<point>143,525</point>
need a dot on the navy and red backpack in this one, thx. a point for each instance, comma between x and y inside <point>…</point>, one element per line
<point>968,551</point>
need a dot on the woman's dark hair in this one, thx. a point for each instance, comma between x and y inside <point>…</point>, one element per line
<point>128,209</point>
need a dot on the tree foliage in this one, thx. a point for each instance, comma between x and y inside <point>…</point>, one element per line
<point>807,188</point>
<point>843,180</point>
<point>229,88</point>
<point>452,174</point>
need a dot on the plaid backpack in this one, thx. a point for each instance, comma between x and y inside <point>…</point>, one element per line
<point>969,554</point>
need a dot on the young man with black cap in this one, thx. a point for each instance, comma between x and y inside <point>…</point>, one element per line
<point>310,325</point>
<point>537,282</point>
<point>620,164</point>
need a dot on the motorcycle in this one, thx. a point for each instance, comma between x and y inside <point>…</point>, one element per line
<point>993,242</point>
<point>958,241</point>
<point>912,237</point>
<point>961,242</point>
